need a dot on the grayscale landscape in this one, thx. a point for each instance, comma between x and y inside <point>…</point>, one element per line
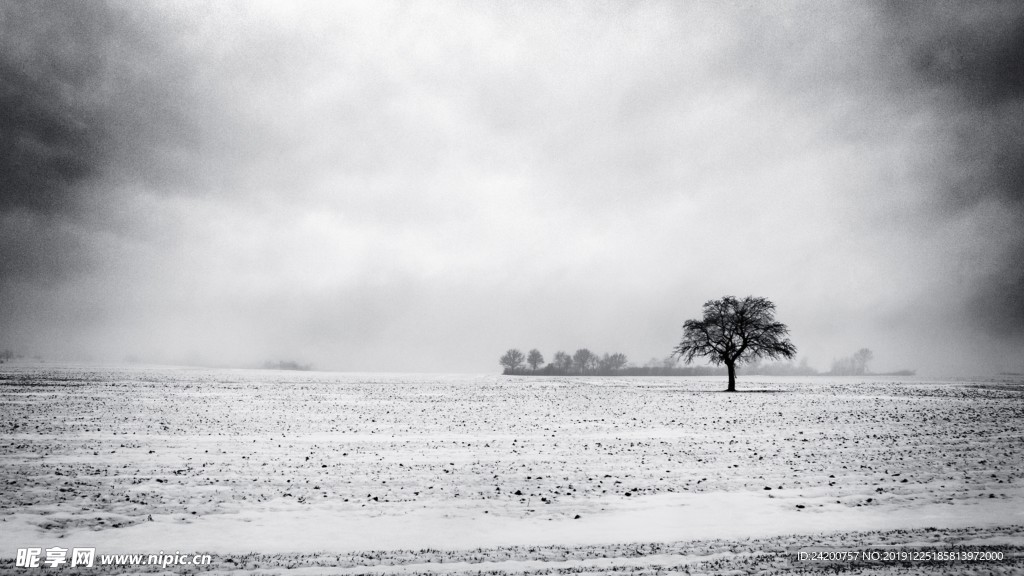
<point>511,287</point>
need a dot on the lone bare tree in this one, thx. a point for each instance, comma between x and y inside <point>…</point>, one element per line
<point>511,360</point>
<point>861,359</point>
<point>534,359</point>
<point>735,331</point>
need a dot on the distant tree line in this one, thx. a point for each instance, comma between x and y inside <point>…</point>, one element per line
<point>778,369</point>
<point>857,365</point>
<point>8,355</point>
<point>585,362</point>
<point>854,365</point>
<point>286,365</point>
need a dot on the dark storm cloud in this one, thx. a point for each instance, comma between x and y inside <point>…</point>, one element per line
<point>53,141</point>
<point>51,56</point>
<point>973,53</point>
<point>983,60</point>
<point>90,95</point>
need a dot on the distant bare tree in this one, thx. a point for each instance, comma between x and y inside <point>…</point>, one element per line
<point>852,365</point>
<point>511,359</point>
<point>861,359</point>
<point>584,360</point>
<point>735,331</point>
<point>562,362</point>
<point>612,362</point>
<point>534,359</point>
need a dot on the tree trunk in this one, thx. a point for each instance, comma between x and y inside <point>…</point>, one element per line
<point>732,377</point>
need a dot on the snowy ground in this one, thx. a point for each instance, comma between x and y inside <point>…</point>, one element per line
<point>310,473</point>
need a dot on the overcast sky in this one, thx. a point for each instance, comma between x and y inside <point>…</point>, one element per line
<point>419,186</point>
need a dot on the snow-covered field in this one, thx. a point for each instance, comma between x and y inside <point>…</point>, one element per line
<point>310,473</point>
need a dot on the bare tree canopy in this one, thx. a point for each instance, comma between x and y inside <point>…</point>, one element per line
<point>563,361</point>
<point>734,331</point>
<point>853,365</point>
<point>612,362</point>
<point>861,359</point>
<point>534,359</point>
<point>512,359</point>
<point>584,360</point>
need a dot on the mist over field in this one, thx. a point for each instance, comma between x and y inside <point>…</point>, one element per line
<point>420,186</point>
